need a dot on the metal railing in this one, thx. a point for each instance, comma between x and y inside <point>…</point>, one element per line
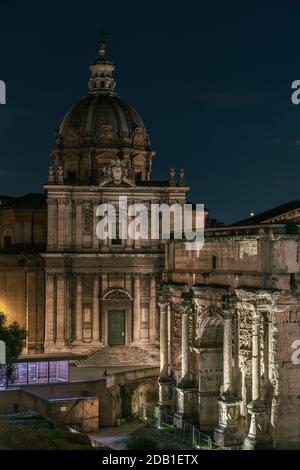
<point>180,430</point>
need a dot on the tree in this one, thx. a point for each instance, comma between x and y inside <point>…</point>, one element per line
<point>13,336</point>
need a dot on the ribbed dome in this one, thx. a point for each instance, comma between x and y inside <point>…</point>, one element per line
<point>93,111</point>
<point>99,129</point>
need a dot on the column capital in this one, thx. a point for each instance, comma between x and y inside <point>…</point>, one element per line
<point>184,307</point>
<point>227,314</point>
<point>163,301</point>
<point>61,276</point>
<point>163,296</point>
<point>63,201</point>
<point>51,201</point>
<point>256,317</point>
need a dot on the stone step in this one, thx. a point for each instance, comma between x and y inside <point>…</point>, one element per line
<point>116,356</point>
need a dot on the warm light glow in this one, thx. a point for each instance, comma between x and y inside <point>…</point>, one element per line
<point>4,308</point>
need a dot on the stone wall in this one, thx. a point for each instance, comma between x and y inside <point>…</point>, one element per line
<point>118,396</point>
<point>81,412</point>
<point>22,295</point>
<point>250,261</point>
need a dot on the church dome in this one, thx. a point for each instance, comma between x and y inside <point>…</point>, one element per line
<point>99,128</point>
<point>96,111</point>
<point>101,118</point>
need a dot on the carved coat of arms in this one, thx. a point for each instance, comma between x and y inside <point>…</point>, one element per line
<point>117,173</point>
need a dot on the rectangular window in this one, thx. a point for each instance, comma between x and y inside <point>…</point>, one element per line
<point>32,372</point>
<point>63,371</point>
<point>42,372</point>
<point>21,373</point>
<point>117,240</point>
<point>58,371</point>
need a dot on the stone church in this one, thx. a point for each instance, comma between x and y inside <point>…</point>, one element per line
<point>72,291</point>
<point>225,320</point>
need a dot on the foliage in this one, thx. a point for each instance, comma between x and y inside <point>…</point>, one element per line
<point>13,336</point>
<point>21,436</point>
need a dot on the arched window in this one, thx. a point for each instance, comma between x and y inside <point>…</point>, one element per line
<point>7,241</point>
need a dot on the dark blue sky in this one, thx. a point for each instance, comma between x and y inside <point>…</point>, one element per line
<point>211,80</point>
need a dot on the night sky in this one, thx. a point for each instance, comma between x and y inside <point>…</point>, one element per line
<point>211,80</point>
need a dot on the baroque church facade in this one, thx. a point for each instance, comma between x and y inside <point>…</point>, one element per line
<point>96,292</point>
<point>224,320</point>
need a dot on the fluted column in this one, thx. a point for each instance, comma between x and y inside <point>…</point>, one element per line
<point>186,392</point>
<point>79,309</point>
<point>153,310</point>
<point>137,308</point>
<point>96,326</point>
<point>227,353</point>
<point>258,435</point>
<point>166,385</point>
<point>230,431</point>
<point>163,305</point>
<point>185,347</point>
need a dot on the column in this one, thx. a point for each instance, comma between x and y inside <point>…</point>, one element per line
<point>137,308</point>
<point>68,287</point>
<point>60,309</point>
<point>79,309</point>
<point>96,240</point>
<point>256,358</point>
<point>96,325</point>
<point>78,224</point>
<point>227,354</point>
<point>186,392</point>
<point>69,216</point>
<point>62,222</point>
<point>258,437</point>
<point>49,314</point>
<point>163,305</point>
<point>153,310</point>
<point>230,431</point>
<point>51,227</point>
<point>165,383</point>
<point>185,348</point>
<point>129,241</point>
